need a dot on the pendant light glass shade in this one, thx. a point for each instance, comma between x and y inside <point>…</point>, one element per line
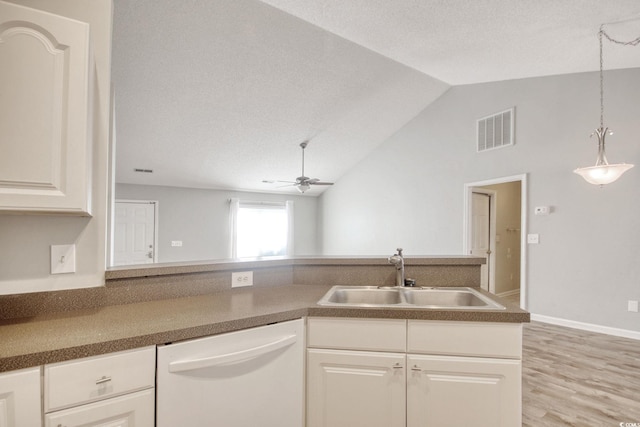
<point>602,173</point>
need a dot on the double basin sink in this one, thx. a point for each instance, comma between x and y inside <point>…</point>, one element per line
<point>408,297</point>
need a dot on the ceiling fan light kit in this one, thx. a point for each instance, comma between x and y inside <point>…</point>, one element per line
<point>303,183</point>
<point>603,172</point>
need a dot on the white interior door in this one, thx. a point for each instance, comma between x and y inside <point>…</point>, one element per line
<point>481,233</point>
<point>134,234</point>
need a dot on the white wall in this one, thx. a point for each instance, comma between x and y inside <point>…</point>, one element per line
<point>25,240</point>
<point>409,192</point>
<point>200,218</point>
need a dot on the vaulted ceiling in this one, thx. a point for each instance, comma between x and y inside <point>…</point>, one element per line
<point>220,93</point>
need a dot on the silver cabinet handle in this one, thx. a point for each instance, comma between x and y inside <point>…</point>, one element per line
<point>103,380</point>
<point>397,365</point>
<point>416,368</point>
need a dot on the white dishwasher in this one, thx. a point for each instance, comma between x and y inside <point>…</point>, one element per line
<point>253,377</point>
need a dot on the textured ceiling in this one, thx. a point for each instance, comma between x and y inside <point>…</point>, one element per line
<point>219,93</point>
<point>462,41</point>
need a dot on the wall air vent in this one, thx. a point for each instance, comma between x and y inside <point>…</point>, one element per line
<point>496,130</point>
<point>143,170</point>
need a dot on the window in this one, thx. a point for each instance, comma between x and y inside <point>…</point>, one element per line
<point>261,229</point>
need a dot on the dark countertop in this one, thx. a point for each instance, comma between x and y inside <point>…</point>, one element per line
<point>70,335</point>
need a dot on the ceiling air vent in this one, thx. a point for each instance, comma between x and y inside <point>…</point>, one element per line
<point>495,131</point>
<point>139,170</point>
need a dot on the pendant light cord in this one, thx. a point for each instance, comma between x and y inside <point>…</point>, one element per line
<point>602,33</point>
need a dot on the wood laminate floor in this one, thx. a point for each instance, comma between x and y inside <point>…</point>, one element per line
<point>572,377</point>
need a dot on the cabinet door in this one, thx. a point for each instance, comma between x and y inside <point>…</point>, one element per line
<point>457,391</point>
<point>20,398</point>
<point>44,112</point>
<point>135,409</point>
<point>355,388</point>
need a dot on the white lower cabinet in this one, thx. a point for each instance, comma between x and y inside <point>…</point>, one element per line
<point>460,391</point>
<point>135,409</point>
<point>112,390</point>
<point>472,375</point>
<point>355,388</point>
<point>20,398</point>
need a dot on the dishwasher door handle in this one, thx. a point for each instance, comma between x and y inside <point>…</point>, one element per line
<point>235,357</point>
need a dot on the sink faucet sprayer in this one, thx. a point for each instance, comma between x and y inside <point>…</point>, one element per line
<point>398,261</point>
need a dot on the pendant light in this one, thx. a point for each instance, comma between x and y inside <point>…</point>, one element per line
<point>603,172</point>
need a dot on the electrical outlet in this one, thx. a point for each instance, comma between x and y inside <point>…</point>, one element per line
<point>632,306</point>
<point>240,279</point>
<point>176,243</point>
<point>533,239</point>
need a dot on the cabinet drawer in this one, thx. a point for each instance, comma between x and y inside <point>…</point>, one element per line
<point>357,334</point>
<point>502,340</point>
<point>95,378</point>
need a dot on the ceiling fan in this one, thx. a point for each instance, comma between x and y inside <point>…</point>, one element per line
<point>303,183</point>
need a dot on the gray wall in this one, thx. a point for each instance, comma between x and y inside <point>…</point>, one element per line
<point>200,218</point>
<point>25,239</point>
<point>409,192</point>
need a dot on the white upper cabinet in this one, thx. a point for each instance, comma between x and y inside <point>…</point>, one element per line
<point>45,132</point>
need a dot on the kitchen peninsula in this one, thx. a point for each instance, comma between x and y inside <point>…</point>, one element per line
<point>147,306</point>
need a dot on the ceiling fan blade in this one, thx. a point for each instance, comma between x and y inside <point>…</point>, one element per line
<point>321,183</point>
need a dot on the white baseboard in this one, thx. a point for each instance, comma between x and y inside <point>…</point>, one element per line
<point>587,326</point>
<point>508,293</point>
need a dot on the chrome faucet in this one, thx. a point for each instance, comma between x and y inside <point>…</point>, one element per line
<point>398,261</point>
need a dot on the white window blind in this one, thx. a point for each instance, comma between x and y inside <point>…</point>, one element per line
<point>261,229</point>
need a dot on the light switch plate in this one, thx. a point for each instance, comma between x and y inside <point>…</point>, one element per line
<point>63,259</point>
<point>632,306</point>
<point>542,210</point>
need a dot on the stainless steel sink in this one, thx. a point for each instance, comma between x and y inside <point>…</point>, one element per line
<point>400,297</point>
<point>365,295</point>
<point>445,298</point>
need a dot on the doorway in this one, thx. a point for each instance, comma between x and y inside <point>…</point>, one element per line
<point>135,232</point>
<point>495,228</point>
